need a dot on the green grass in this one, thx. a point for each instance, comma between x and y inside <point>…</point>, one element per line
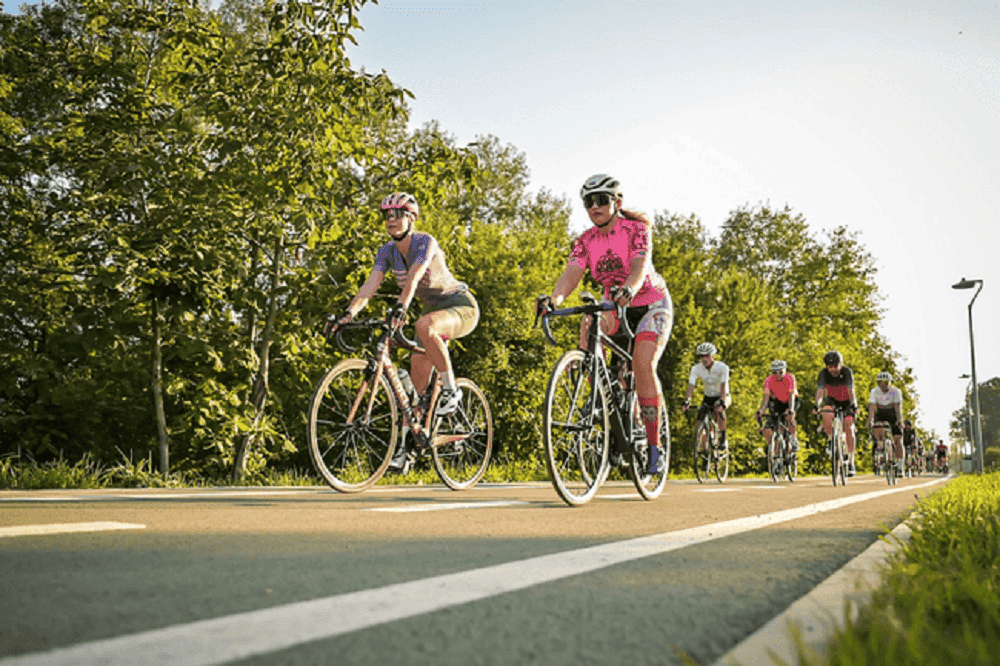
<point>940,598</point>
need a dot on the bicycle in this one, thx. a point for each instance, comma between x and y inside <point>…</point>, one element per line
<point>591,413</point>
<point>709,454</point>
<point>781,459</point>
<point>837,448</point>
<point>887,449</point>
<point>360,410</point>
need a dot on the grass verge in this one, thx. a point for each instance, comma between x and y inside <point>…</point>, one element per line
<point>940,598</point>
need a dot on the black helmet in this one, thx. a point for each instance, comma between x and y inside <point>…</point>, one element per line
<point>832,358</point>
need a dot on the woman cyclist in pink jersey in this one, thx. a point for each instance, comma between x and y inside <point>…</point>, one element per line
<point>781,398</point>
<point>617,251</point>
<point>449,310</point>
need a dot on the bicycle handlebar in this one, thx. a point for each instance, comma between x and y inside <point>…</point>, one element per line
<point>591,307</point>
<point>397,335</point>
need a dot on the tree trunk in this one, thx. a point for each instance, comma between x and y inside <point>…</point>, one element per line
<point>161,418</point>
<point>259,398</point>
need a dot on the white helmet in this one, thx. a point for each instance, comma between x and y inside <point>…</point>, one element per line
<point>601,182</point>
<point>705,349</point>
<point>778,365</point>
<point>883,377</point>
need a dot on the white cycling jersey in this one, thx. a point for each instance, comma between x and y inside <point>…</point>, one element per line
<point>712,378</point>
<point>885,399</point>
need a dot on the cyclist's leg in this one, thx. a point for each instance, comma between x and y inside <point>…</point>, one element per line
<point>720,418</point>
<point>651,337</point>
<point>454,318</point>
<point>827,415</point>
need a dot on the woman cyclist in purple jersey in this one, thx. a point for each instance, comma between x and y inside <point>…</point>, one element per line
<point>617,251</point>
<point>449,310</point>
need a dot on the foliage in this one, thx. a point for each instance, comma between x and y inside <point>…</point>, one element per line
<point>186,195</point>
<point>989,411</point>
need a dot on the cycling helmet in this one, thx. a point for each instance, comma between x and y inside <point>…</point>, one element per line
<point>705,349</point>
<point>907,423</point>
<point>778,365</point>
<point>832,358</point>
<point>601,182</point>
<point>883,377</point>
<point>402,200</point>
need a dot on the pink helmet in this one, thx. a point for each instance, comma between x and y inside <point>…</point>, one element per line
<point>402,200</point>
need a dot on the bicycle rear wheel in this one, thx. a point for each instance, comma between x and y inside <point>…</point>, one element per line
<point>650,485</point>
<point>792,464</point>
<point>722,462</point>
<point>462,457</point>
<point>775,449</point>
<point>704,443</point>
<point>352,457</point>
<point>576,442</point>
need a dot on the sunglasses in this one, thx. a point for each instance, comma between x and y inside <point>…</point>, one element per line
<point>394,214</point>
<point>598,199</point>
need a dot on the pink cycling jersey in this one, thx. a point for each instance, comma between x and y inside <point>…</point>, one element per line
<point>609,257</point>
<point>780,389</point>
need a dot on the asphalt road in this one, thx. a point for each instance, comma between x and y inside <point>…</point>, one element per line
<point>422,575</point>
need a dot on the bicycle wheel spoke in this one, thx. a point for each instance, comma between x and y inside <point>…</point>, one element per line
<point>462,461</point>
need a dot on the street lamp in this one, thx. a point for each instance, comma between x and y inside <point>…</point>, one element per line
<point>969,284</point>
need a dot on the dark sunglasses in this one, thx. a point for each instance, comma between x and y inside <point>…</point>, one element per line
<point>598,199</point>
<point>394,213</point>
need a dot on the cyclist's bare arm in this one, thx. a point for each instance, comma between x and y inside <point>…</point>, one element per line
<point>639,268</point>
<point>690,392</point>
<point>567,282</point>
<point>365,293</point>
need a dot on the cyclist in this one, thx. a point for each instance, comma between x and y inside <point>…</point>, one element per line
<point>449,309</point>
<point>714,376</point>
<point>618,251</point>
<point>912,445</point>
<point>885,403</point>
<point>941,455</point>
<point>781,399</point>
<point>835,388</point>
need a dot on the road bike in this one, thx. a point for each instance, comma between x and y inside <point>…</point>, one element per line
<point>591,418</point>
<point>782,460</point>
<point>837,448</point>
<point>710,453</point>
<point>361,410</point>
<point>887,450</point>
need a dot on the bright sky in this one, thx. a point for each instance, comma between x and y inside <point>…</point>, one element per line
<point>883,116</point>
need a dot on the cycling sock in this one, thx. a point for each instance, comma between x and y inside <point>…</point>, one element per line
<point>649,408</point>
<point>449,379</point>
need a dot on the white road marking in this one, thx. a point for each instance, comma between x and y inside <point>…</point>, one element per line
<point>165,496</point>
<point>716,490</point>
<point>260,632</point>
<point>444,506</point>
<point>65,528</point>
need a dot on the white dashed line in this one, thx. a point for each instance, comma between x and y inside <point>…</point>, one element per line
<point>65,528</point>
<point>444,506</point>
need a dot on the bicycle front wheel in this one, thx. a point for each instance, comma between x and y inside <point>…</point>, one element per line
<point>577,438</point>
<point>890,464</point>
<point>704,442</point>
<point>351,443</point>
<point>463,440</point>
<point>650,485</point>
<point>792,465</point>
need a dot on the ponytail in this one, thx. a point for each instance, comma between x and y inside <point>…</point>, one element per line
<point>634,215</point>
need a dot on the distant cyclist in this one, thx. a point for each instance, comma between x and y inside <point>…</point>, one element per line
<point>418,264</point>
<point>618,252</point>
<point>714,376</point>
<point>781,399</point>
<point>912,444</point>
<point>835,388</point>
<point>941,455</point>
<point>885,403</point>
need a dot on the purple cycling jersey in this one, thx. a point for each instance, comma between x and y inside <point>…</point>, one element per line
<point>437,282</point>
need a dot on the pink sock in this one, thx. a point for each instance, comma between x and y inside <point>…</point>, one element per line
<point>649,410</point>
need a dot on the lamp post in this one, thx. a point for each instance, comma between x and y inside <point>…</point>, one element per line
<point>977,432</point>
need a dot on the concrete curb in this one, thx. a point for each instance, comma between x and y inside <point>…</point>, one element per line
<point>818,614</point>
